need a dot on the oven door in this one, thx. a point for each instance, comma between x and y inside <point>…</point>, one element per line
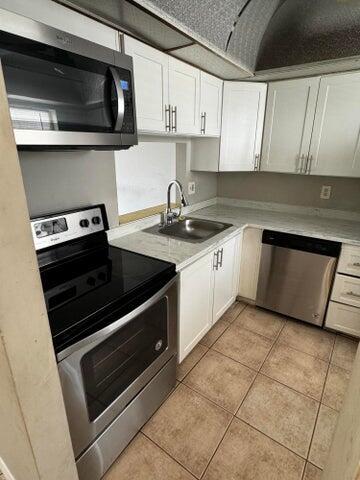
<point>101,374</point>
<point>62,99</point>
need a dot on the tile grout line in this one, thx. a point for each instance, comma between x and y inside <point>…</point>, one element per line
<point>273,439</point>
<point>206,398</point>
<point>187,373</point>
<point>320,403</point>
<point>217,448</point>
<point>265,374</point>
<point>208,348</point>
<point>168,454</point>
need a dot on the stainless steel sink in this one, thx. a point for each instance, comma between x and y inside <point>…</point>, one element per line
<point>192,230</point>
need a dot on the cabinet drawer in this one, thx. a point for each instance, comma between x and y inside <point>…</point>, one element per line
<point>343,318</point>
<point>349,260</point>
<point>346,290</point>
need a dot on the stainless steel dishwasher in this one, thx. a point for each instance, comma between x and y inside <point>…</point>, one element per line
<point>296,274</point>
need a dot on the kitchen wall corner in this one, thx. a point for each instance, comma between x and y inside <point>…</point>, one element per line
<point>205,182</point>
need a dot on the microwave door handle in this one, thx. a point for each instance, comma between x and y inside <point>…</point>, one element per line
<point>120,99</point>
<point>91,341</point>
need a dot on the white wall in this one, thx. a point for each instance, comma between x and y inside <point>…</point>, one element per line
<point>143,174</point>
<point>56,181</point>
<point>303,190</point>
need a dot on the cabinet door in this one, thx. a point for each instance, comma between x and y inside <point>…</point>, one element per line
<point>289,120</point>
<point>242,125</point>
<point>225,278</point>
<point>335,144</point>
<point>151,73</point>
<point>196,300</point>
<point>250,262</point>
<point>184,93</point>
<point>210,104</point>
<point>343,318</point>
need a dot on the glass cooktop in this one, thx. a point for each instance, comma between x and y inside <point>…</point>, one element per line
<point>91,290</point>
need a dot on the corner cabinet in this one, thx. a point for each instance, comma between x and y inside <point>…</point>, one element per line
<point>207,289</point>
<point>335,144</point>
<point>242,126</point>
<point>312,126</point>
<point>289,120</point>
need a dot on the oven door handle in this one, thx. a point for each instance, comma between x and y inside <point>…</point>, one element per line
<point>107,331</point>
<point>120,99</point>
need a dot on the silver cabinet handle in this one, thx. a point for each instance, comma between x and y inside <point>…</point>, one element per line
<point>221,257</point>
<point>202,123</point>
<point>353,294</point>
<point>174,119</point>
<point>356,264</point>
<point>256,162</point>
<point>308,165</point>
<point>216,260</point>
<point>167,118</point>
<point>302,167</point>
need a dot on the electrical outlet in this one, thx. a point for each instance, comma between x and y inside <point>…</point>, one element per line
<point>325,193</point>
<point>191,188</point>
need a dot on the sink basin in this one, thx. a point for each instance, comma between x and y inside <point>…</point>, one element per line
<point>192,230</point>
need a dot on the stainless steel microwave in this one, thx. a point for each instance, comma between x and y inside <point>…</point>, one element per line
<point>65,92</point>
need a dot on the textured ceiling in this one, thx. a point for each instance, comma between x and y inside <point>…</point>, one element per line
<point>249,30</point>
<point>234,38</point>
<point>211,19</point>
<point>272,33</point>
<point>304,31</point>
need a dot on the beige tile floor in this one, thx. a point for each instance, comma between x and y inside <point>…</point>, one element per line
<point>257,399</point>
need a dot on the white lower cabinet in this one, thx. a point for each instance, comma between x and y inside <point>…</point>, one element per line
<point>343,312</point>
<point>225,277</point>
<point>207,288</point>
<point>196,298</point>
<point>250,262</point>
<point>343,318</point>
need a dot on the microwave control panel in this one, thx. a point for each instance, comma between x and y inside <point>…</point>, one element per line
<point>127,88</point>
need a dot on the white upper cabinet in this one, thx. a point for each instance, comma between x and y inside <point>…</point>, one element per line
<point>288,125</point>
<point>335,144</point>
<point>242,126</point>
<point>210,104</point>
<point>184,97</point>
<point>151,71</point>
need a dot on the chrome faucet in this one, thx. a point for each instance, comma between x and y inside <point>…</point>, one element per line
<point>168,217</point>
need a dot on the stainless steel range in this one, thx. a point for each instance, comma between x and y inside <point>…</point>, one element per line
<point>113,318</point>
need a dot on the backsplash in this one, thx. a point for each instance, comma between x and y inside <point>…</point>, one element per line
<point>63,180</point>
<point>289,189</point>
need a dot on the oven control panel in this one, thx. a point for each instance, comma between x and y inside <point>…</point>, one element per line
<point>61,228</point>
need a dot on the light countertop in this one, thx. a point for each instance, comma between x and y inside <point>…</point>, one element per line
<point>183,253</point>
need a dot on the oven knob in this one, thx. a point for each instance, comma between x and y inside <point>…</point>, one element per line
<point>91,281</point>
<point>84,222</point>
<point>96,220</point>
